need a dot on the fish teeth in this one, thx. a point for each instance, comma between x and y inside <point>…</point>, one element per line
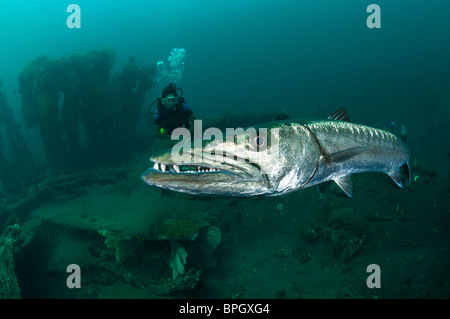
<point>191,169</point>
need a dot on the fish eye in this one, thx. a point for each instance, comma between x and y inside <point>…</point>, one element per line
<point>258,142</point>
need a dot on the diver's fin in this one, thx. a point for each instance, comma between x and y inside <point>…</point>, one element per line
<point>340,115</point>
<point>345,183</point>
<point>404,134</point>
<point>402,176</point>
<point>345,154</point>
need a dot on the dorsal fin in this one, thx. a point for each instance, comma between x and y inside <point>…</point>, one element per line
<point>340,115</point>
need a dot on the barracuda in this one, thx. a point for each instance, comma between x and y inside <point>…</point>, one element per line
<point>292,155</point>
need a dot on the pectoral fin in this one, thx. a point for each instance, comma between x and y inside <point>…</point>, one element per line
<point>344,155</point>
<point>345,183</point>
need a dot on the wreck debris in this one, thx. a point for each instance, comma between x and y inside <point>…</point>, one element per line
<point>344,230</point>
<point>117,255</point>
<point>80,96</point>
<point>9,286</point>
<point>177,260</point>
<point>190,280</point>
<point>213,236</point>
<point>113,241</point>
<point>179,229</point>
<point>63,185</point>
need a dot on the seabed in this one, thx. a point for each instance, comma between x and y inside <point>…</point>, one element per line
<point>134,241</point>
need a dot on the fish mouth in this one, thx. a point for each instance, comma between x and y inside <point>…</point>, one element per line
<point>180,168</point>
<point>206,178</point>
<point>185,169</point>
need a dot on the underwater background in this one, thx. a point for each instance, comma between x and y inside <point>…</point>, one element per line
<point>76,132</point>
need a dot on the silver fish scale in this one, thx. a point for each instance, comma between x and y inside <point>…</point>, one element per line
<point>338,135</point>
<point>381,151</point>
<point>303,153</point>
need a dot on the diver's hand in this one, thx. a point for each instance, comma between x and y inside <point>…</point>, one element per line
<point>163,134</point>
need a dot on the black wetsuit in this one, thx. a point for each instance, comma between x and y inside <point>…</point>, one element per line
<point>178,116</point>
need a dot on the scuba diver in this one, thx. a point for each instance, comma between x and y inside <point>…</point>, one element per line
<point>172,112</point>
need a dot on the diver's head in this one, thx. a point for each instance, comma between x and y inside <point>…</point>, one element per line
<point>169,101</point>
<point>169,95</point>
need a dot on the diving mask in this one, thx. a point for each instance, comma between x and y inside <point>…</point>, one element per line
<point>171,99</point>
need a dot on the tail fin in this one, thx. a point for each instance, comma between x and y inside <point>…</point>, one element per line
<point>402,176</point>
